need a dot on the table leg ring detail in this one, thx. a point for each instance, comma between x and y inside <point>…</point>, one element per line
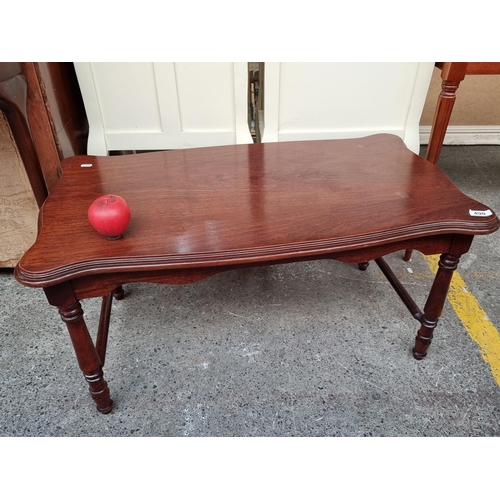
<point>99,391</point>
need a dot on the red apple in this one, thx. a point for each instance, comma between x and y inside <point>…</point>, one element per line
<point>109,215</point>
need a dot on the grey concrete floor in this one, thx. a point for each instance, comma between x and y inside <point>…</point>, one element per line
<point>309,349</point>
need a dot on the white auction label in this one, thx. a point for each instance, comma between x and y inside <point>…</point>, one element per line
<point>480,213</point>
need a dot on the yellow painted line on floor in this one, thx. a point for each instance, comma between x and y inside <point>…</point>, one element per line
<point>474,318</point>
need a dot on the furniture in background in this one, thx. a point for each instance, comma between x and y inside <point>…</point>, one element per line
<point>452,73</point>
<point>241,206</point>
<point>43,105</point>
<point>45,123</point>
<point>13,102</point>
<point>151,106</point>
<point>304,101</point>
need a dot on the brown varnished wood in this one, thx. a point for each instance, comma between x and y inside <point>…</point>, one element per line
<point>399,288</point>
<point>65,107</point>
<point>41,130</point>
<point>452,74</point>
<point>57,115</point>
<point>245,204</point>
<point>483,68</point>
<point>13,101</point>
<point>44,107</point>
<point>89,286</point>
<point>199,212</point>
<point>459,245</point>
<point>102,331</point>
<point>435,302</point>
<point>88,358</point>
<point>119,292</point>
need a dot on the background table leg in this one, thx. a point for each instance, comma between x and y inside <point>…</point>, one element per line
<point>101,342</point>
<point>435,303</point>
<point>119,293</point>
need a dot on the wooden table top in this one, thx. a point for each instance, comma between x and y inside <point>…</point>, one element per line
<point>246,203</point>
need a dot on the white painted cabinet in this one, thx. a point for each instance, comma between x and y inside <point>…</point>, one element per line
<point>147,106</point>
<point>304,101</point>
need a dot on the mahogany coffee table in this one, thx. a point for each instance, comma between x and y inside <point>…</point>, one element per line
<point>199,212</point>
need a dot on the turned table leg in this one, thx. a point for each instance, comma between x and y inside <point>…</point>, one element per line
<point>87,356</point>
<point>86,353</point>
<point>435,303</point>
<point>407,255</point>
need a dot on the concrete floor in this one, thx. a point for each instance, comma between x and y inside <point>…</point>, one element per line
<point>309,349</point>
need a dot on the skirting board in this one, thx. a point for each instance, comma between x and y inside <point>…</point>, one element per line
<point>465,135</point>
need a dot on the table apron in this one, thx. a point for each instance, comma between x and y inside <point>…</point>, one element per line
<point>101,284</point>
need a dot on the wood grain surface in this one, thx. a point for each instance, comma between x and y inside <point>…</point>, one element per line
<point>231,205</point>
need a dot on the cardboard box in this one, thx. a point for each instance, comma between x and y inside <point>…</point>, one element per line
<point>18,207</point>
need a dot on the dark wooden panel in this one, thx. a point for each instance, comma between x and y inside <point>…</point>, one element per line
<point>246,203</point>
